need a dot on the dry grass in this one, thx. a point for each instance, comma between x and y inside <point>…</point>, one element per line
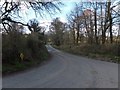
<point>108,52</point>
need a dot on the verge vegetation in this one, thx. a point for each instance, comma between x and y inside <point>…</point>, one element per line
<point>100,52</point>
<point>21,51</point>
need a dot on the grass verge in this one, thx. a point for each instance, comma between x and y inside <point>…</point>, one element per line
<point>8,69</point>
<point>99,52</point>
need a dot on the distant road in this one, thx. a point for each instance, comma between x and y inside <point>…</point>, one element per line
<point>66,71</point>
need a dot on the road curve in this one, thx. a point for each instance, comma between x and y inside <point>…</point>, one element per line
<point>66,71</point>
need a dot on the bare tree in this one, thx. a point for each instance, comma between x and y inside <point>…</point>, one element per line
<point>71,23</point>
<point>57,30</point>
<point>8,8</point>
<point>33,24</point>
<point>75,20</point>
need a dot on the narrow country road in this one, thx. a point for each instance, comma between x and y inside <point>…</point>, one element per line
<point>66,71</point>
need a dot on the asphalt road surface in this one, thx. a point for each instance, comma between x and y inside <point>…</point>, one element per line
<point>66,71</point>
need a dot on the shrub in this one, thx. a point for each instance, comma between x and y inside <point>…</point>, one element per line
<point>15,43</point>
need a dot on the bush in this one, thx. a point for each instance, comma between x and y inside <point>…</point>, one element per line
<point>10,48</point>
<point>16,43</point>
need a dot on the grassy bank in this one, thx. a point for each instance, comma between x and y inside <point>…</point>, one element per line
<point>23,65</point>
<point>100,52</point>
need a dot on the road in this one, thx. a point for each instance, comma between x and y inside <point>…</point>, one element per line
<point>66,71</point>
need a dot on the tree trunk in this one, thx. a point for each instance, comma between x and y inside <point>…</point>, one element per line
<point>77,39</point>
<point>111,35</point>
<point>110,22</point>
<point>73,34</point>
<point>101,18</point>
<point>96,37</point>
<point>91,29</point>
<point>86,27</point>
<point>103,37</point>
<point>104,30</point>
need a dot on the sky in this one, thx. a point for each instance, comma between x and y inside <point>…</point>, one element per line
<point>68,6</point>
<point>46,19</point>
<point>65,9</point>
